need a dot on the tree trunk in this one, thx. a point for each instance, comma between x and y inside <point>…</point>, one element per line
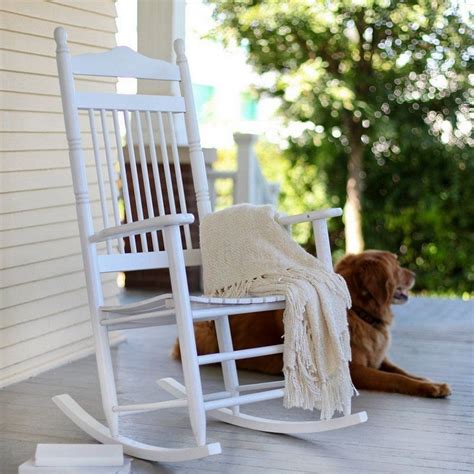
<point>353,206</point>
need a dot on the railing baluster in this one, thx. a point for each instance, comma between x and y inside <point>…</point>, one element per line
<point>135,181</point>
<point>112,175</point>
<point>100,176</point>
<point>179,179</point>
<point>145,177</point>
<point>123,177</point>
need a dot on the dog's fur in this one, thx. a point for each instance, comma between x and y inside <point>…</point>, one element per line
<point>375,281</point>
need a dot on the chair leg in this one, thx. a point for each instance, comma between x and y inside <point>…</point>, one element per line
<point>187,343</point>
<point>105,371</point>
<point>229,368</point>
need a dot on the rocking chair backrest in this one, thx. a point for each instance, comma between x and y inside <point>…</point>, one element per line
<point>154,122</point>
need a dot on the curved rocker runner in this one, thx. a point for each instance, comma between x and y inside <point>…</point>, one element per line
<point>266,424</point>
<point>131,447</point>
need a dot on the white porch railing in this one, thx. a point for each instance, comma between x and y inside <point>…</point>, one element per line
<point>249,184</point>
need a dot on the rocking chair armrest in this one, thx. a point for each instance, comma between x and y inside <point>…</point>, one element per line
<point>310,216</point>
<point>147,225</point>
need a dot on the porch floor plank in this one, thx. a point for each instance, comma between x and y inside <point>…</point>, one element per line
<point>431,337</point>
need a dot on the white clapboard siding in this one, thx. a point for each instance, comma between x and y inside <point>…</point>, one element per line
<point>15,81</point>
<point>34,102</point>
<point>43,302</point>
<point>35,64</point>
<point>65,310</point>
<point>44,233</point>
<point>29,63</point>
<point>102,8</point>
<point>32,292</point>
<point>39,217</point>
<point>32,236</point>
<point>42,179</point>
<point>29,102</point>
<point>9,141</point>
<point>57,303</point>
<point>12,141</point>
<point>51,359</point>
<point>39,199</point>
<point>37,271</point>
<point>29,349</point>
<point>26,255</point>
<point>16,41</point>
<point>20,121</point>
<point>59,14</point>
<point>34,160</point>
<point>42,29</point>
<point>21,334</point>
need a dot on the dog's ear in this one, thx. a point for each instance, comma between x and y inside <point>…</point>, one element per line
<point>344,265</point>
<point>376,280</point>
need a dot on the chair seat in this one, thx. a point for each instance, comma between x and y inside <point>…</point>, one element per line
<point>202,310</point>
<point>212,310</point>
<point>139,307</point>
<point>244,300</point>
<point>166,301</point>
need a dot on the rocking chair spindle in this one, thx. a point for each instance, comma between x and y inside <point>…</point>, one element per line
<point>153,117</point>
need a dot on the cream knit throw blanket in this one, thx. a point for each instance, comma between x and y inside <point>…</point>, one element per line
<point>246,252</point>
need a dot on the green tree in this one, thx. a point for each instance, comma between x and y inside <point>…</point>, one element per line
<point>374,83</point>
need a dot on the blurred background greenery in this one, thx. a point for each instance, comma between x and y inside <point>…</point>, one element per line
<point>378,96</point>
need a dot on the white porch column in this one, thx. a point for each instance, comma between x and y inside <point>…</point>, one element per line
<point>244,190</point>
<point>159,23</point>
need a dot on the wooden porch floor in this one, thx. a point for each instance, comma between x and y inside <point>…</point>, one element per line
<point>432,337</point>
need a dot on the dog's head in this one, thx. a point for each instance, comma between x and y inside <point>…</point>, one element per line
<point>375,279</point>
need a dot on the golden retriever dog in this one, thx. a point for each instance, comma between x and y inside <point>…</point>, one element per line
<point>375,281</point>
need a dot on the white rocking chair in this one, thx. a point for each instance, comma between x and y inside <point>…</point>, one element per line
<point>175,253</point>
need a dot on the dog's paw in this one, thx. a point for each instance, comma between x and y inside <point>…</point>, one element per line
<point>444,390</point>
<point>437,390</point>
<point>175,351</point>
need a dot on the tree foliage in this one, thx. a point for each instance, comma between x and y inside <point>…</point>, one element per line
<point>375,92</point>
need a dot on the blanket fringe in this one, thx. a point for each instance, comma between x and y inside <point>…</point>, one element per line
<point>304,387</point>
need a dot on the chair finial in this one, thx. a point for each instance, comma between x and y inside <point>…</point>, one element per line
<point>60,36</point>
<point>179,47</point>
